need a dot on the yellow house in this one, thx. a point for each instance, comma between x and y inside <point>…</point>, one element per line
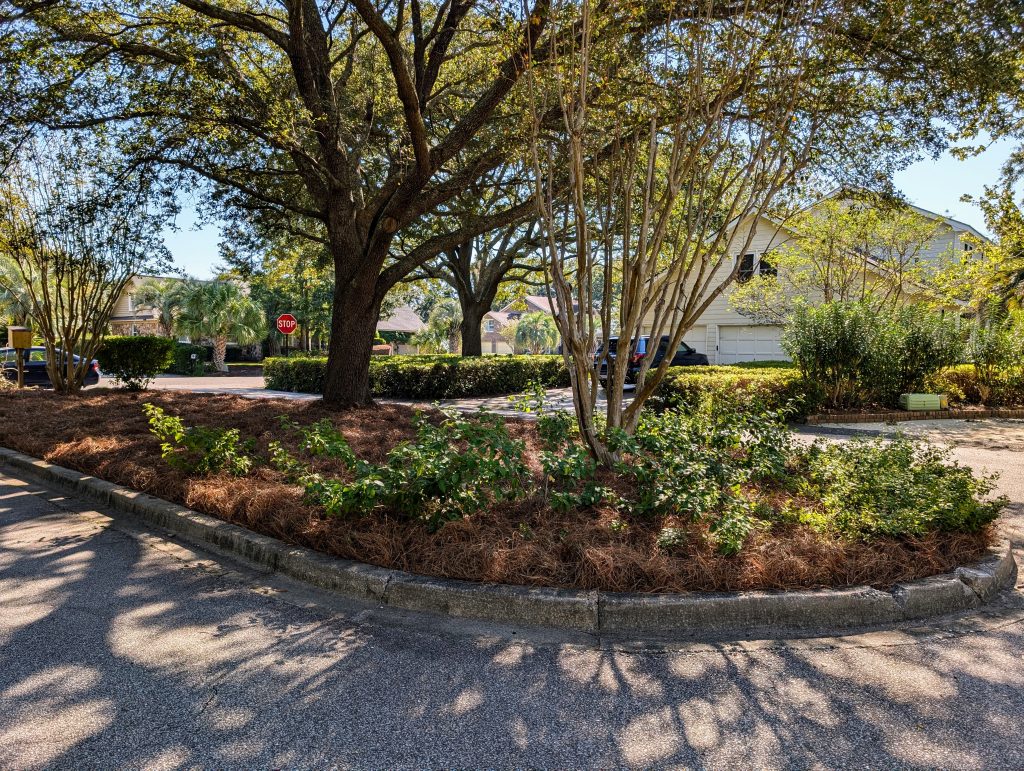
<point>130,318</point>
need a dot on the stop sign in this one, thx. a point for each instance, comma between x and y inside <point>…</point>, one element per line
<point>286,324</point>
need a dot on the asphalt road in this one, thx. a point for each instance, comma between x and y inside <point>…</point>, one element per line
<point>119,649</point>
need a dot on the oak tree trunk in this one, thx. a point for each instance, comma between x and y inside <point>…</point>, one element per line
<point>470,328</point>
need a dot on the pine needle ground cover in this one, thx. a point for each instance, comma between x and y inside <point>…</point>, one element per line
<point>703,501</point>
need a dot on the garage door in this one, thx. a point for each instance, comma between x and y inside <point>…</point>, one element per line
<point>697,338</point>
<point>750,343</point>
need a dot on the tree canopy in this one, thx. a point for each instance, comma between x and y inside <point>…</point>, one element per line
<point>349,123</point>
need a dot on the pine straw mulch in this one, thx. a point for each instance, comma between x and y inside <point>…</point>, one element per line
<point>104,433</point>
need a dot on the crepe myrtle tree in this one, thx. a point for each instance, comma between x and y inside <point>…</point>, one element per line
<point>738,105</point>
<point>73,234</point>
<point>351,122</point>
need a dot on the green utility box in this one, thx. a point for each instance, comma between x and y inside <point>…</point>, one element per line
<point>921,401</point>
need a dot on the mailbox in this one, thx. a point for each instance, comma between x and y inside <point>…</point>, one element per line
<point>19,337</point>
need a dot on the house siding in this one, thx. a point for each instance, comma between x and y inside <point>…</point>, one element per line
<point>768,236</point>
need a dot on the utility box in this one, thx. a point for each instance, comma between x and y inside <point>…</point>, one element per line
<point>19,337</point>
<point>917,402</point>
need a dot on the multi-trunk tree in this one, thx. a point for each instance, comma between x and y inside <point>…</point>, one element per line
<point>731,107</point>
<point>72,238</point>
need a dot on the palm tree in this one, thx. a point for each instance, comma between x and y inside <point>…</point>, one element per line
<point>536,332</point>
<point>441,334</point>
<point>220,311</point>
<point>15,302</point>
<point>164,295</point>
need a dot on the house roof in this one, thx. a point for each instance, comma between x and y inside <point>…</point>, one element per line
<point>502,317</point>
<point>403,319</point>
<point>534,303</point>
<point>955,225</point>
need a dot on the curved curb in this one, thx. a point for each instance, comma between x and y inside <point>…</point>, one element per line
<point>687,613</point>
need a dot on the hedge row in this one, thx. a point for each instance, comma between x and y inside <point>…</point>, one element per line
<point>184,364</point>
<point>768,387</point>
<point>963,386</point>
<point>427,377</point>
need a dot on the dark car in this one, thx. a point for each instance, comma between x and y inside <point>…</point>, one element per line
<point>35,367</point>
<point>685,356</point>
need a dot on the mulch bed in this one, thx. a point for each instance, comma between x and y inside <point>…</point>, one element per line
<point>104,433</point>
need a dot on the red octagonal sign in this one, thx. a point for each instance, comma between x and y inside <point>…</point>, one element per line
<point>286,324</point>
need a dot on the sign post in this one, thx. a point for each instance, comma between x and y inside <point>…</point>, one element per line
<point>20,339</point>
<point>286,325</point>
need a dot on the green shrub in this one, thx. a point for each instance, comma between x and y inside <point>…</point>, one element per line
<point>854,353</point>
<point>303,375</point>
<point>893,488</point>
<point>965,385</point>
<point>766,364</point>
<point>427,377</point>
<point>198,449</point>
<point>908,344</point>
<point>767,389</point>
<point>829,344</point>
<point>454,467</point>
<point>997,351</point>
<point>184,364</point>
<point>135,361</point>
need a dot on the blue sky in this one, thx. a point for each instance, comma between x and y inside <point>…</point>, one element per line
<point>935,185</point>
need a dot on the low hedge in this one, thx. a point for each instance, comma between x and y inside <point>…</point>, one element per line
<point>135,360</point>
<point>963,386</point>
<point>427,377</point>
<point>184,364</point>
<point>770,388</point>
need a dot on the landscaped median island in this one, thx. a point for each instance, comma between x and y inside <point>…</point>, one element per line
<point>710,499</point>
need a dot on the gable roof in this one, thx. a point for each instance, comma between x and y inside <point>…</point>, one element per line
<point>535,303</point>
<point>403,319</point>
<point>955,225</point>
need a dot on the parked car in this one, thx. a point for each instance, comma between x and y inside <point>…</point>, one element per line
<point>685,356</point>
<point>35,367</point>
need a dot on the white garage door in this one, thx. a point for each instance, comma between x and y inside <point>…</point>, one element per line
<point>697,338</point>
<point>749,343</point>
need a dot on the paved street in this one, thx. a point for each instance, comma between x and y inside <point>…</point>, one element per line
<point>252,388</point>
<point>121,649</point>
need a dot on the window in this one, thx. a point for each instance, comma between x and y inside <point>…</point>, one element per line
<point>37,356</point>
<point>968,246</point>
<point>746,268</point>
<point>765,268</point>
<point>489,325</point>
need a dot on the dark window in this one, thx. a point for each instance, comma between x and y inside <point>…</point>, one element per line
<point>746,268</point>
<point>765,268</point>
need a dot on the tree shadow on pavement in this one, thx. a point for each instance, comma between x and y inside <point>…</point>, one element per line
<point>114,653</point>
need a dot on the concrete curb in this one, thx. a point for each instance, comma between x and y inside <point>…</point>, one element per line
<point>689,613</point>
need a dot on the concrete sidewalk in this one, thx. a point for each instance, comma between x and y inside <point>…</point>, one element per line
<point>987,433</point>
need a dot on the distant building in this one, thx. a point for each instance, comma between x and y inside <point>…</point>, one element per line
<point>129,317</point>
<point>401,325</point>
<point>495,321</point>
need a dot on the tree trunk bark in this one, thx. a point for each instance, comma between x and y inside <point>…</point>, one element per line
<point>220,351</point>
<point>470,330</point>
<point>353,327</point>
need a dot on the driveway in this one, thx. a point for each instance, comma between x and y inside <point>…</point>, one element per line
<point>119,648</point>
